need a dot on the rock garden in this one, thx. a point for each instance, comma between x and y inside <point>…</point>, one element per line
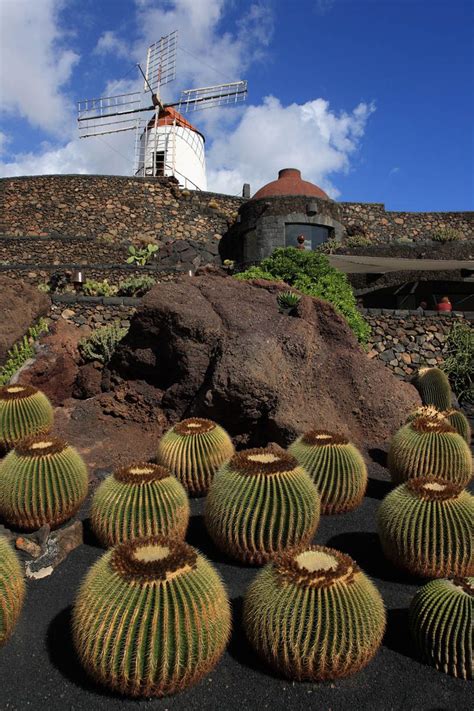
<point>221,499</point>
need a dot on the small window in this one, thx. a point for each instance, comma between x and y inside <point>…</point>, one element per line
<point>314,235</point>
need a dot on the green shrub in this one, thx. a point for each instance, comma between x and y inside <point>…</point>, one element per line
<point>358,241</point>
<point>330,246</point>
<point>135,286</point>
<point>100,345</point>
<point>459,360</point>
<point>99,288</point>
<point>311,273</point>
<point>447,234</point>
<point>21,351</point>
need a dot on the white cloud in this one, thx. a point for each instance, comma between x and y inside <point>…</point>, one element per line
<point>35,65</point>
<point>269,137</point>
<point>110,42</point>
<point>249,144</point>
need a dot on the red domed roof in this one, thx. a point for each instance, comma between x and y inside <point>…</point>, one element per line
<point>290,183</point>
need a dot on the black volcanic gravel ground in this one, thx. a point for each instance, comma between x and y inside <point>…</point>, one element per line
<point>39,670</point>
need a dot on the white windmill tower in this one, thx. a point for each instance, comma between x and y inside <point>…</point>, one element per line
<point>167,144</point>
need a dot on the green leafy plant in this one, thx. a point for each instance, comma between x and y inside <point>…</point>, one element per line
<point>358,241</point>
<point>99,288</point>
<point>101,344</point>
<point>447,234</point>
<point>288,300</point>
<point>311,273</point>
<point>44,288</point>
<point>21,351</point>
<point>142,255</point>
<point>459,360</point>
<point>136,286</point>
<point>330,246</point>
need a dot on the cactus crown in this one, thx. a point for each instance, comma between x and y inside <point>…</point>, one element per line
<point>17,392</point>
<point>141,473</point>
<point>153,558</point>
<point>430,424</point>
<point>323,438</point>
<point>433,489</point>
<point>40,446</point>
<point>194,426</point>
<point>266,461</point>
<point>466,585</point>
<point>316,567</point>
<point>429,411</point>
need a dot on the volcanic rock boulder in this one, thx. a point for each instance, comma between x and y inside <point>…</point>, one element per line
<point>20,306</point>
<point>220,348</point>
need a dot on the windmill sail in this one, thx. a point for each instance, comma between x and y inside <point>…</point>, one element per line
<point>109,114</point>
<point>161,62</point>
<point>209,97</point>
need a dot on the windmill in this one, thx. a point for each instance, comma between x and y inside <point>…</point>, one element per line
<point>166,144</point>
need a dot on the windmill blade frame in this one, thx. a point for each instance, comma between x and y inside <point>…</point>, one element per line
<point>208,97</point>
<point>93,114</point>
<point>161,62</point>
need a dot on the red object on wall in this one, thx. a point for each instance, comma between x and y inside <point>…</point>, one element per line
<point>444,306</point>
<point>290,182</point>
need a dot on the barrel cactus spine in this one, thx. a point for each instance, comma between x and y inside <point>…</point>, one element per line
<point>459,422</point>
<point>433,386</point>
<point>260,503</point>
<point>151,617</point>
<point>42,481</point>
<point>12,589</point>
<point>425,528</point>
<point>137,501</point>
<point>441,622</point>
<point>314,615</point>
<point>336,466</point>
<point>193,450</point>
<point>24,411</point>
<point>429,446</point>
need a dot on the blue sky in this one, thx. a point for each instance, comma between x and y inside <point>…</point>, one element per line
<point>371,99</point>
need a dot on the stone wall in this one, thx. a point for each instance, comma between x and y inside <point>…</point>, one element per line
<point>93,312</point>
<point>116,208</point>
<point>405,340</point>
<point>376,223</point>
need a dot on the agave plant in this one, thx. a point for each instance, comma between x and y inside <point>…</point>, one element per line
<point>288,300</point>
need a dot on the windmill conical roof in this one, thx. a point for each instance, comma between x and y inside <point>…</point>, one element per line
<point>168,116</point>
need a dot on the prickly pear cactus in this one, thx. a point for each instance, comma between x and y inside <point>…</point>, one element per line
<point>24,411</point>
<point>441,623</point>
<point>138,501</point>
<point>336,466</point>
<point>43,480</point>
<point>429,446</point>
<point>12,589</point>
<point>193,450</point>
<point>151,618</point>
<point>425,527</point>
<point>314,615</point>
<point>260,503</point>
